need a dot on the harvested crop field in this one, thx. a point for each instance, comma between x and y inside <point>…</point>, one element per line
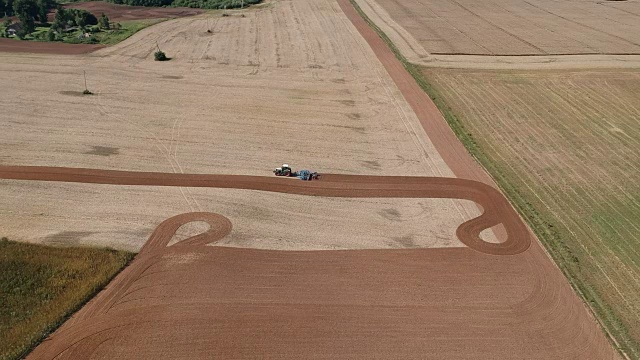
<point>117,12</point>
<point>304,82</point>
<point>499,27</point>
<point>568,144</point>
<point>240,100</point>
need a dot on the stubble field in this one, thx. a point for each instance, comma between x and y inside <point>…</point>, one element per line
<point>285,83</point>
<point>291,81</point>
<point>498,27</point>
<point>567,144</point>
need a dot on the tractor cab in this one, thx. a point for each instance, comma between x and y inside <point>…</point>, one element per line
<point>285,170</point>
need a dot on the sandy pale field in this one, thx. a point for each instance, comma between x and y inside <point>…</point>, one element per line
<point>499,27</point>
<point>289,82</point>
<point>512,34</point>
<point>309,83</point>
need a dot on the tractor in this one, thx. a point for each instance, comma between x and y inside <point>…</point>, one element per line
<point>285,170</point>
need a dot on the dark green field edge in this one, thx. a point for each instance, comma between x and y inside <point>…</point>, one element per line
<point>545,229</point>
<point>36,340</point>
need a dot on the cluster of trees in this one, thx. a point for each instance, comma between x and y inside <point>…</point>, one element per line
<point>75,17</point>
<point>201,4</point>
<point>27,11</point>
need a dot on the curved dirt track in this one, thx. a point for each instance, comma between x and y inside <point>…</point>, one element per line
<point>192,301</point>
<point>497,209</point>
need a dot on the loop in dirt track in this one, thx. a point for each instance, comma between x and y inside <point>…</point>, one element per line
<point>497,209</point>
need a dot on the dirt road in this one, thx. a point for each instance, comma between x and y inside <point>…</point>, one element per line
<point>497,209</point>
<point>192,301</point>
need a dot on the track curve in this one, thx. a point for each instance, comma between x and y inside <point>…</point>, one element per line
<point>497,209</point>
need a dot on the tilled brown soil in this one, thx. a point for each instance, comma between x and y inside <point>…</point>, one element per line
<point>189,300</point>
<point>38,47</point>
<point>117,12</point>
<point>193,301</point>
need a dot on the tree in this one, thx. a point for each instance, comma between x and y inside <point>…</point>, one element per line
<point>3,6</point>
<point>103,22</point>
<point>6,24</point>
<point>82,17</point>
<point>80,21</point>
<point>51,35</point>
<point>60,20</point>
<point>26,11</point>
<point>8,7</point>
<point>43,10</point>
<point>160,56</point>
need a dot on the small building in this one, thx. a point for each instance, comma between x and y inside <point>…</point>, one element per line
<point>13,29</point>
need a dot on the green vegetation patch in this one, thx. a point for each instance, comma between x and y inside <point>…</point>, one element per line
<point>124,30</point>
<point>41,286</point>
<point>71,26</point>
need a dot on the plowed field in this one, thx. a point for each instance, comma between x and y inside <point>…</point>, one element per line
<point>569,143</point>
<point>305,82</point>
<point>117,12</point>
<point>186,299</point>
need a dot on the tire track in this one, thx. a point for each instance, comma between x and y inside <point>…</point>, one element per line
<point>497,209</point>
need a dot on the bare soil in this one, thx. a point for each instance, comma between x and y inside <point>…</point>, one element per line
<point>38,47</point>
<point>118,13</point>
<point>190,300</point>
